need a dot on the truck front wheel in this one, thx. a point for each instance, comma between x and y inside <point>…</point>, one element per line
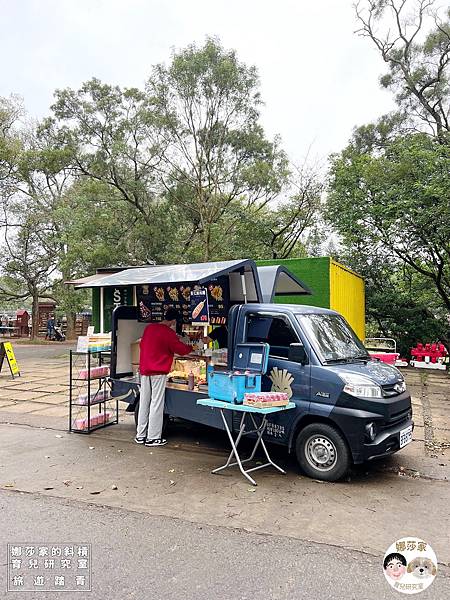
<point>322,452</point>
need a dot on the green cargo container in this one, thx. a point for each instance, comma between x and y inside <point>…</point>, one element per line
<point>332,286</point>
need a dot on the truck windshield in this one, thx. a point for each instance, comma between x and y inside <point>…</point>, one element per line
<point>332,338</point>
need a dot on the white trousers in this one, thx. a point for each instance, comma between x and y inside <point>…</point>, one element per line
<point>151,406</point>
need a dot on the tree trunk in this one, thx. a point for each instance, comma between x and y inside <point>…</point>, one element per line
<point>35,315</point>
<point>70,332</point>
<point>207,248</point>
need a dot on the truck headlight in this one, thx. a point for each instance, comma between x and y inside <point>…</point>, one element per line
<point>360,386</point>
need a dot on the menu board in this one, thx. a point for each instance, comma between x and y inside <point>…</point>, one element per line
<point>199,306</point>
<point>218,300</point>
<point>154,300</point>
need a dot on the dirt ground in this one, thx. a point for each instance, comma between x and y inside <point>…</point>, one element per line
<point>408,494</point>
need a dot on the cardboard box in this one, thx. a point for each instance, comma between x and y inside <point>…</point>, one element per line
<point>135,352</point>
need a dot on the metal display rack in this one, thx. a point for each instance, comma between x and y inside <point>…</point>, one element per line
<point>91,405</point>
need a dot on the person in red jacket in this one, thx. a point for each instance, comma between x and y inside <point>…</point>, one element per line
<point>158,346</point>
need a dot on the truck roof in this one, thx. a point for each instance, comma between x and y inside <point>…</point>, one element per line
<point>295,308</point>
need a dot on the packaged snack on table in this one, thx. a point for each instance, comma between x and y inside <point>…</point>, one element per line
<point>266,399</point>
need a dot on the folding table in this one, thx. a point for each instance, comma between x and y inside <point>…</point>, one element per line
<point>258,430</point>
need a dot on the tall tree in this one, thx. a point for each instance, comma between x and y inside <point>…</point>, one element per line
<point>217,154</point>
<point>184,154</point>
<point>26,265</point>
<point>37,178</point>
<point>418,57</point>
<point>389,188</point>
<point>10,112</point>
<point>114,138</point>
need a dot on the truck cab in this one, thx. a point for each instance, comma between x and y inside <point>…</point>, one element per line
<point>349,408</point>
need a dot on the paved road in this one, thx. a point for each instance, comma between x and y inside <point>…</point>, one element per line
<point>141,556</point>
<point>365,514</point>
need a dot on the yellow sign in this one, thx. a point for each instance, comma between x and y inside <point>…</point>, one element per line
<point>6,349</point>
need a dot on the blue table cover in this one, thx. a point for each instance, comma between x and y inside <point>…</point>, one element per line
<point>242,407</point>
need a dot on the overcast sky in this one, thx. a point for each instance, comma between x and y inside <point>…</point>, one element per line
<point>319,79</point>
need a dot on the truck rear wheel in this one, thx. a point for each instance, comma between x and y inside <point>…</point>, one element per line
<point>322,452</point>
<point>136,416</point>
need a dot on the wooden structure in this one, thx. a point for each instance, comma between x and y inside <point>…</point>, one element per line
<point>46,307</point>
<point>21,322</point>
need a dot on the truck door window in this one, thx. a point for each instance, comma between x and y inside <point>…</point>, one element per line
<point>275,331</point>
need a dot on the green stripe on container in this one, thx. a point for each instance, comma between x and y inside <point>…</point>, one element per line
<point>314,272</point>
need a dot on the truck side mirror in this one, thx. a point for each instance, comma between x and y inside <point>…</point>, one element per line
<point>297,354</point>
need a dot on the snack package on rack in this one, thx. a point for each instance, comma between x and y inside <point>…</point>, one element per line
<point>100,342</point>
<point>99,419</point>
<point>95,342</point>
<point>266,399</point>
<point>96,372</point>
<point>96,397</point>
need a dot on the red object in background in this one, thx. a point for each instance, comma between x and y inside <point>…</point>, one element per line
<point>386,357</point>
<point>432,351</point>
<point>21,322</point>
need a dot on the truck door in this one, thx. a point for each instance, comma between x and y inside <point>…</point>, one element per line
<point>282,374</point>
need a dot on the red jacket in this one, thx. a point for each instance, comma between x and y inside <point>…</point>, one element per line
<point>158,345</point>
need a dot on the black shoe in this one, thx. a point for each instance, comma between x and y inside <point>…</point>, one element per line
<point>157,442</point>
<point>139,440</point>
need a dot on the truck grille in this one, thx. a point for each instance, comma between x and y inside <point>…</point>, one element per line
<point>397,418</point>
<point>389,390</point>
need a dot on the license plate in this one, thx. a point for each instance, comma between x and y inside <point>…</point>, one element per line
<point>406,436</point>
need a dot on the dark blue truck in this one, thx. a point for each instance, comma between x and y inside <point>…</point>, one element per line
<point>349,408</point>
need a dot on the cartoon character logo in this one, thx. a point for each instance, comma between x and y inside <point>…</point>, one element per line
<point>410,565</point>
<point>395,565</point>
<point>281,381</point>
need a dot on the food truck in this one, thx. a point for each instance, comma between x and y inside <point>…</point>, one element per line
<point>349,408</point>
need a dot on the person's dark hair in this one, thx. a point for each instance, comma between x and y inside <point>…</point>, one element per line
<point>172,314</point>
<point>393,556</point>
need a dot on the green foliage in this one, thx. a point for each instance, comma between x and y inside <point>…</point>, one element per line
<point>181,163</point>
<point>399,302</point>
<point>398,202</point>
<point>113,138</point>
<point>392,209</point>
<point>217,154</point>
